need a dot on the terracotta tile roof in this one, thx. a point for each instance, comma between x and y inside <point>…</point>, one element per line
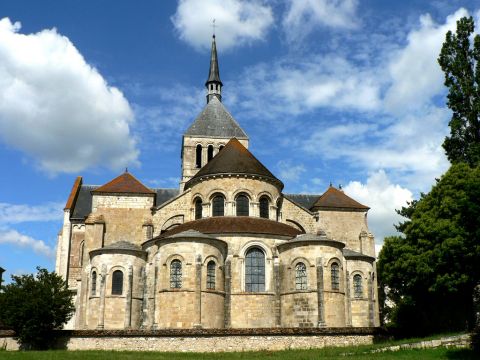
<point>234,159</point>
<point>235,225</point>
<point>125,183</point>
<point>337,199</point>
<point>74,193</point>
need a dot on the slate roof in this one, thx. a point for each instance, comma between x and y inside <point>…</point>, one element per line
<point>304,200</point>
<point>125,183</point>
<point>234,224</point>
<point>122,245</point>
<point>216,121</point>
<point>356,255</point>
<point>191,234</point>
<point>336,199</point>
<point>233,159</point>
<point>214,72</point>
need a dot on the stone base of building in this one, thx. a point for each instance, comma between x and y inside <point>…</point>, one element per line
<point>205,340</point>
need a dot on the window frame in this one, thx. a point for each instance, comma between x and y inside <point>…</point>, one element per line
<point>218,211</point>
<point>242,208</point>
<point>335,276</point>
<point>93,285</point>
<point>211,275</point>
<point>117,282</point>
<point>198,208</point>
<point>264,207</point>
<point>301,276</point>
<point>357,286</point>
<point>176,274</point>
<point>255,270</point>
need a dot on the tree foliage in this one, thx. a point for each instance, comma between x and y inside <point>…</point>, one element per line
<point>460,61</point>
<point>33,306</point>
<point>431,271</point>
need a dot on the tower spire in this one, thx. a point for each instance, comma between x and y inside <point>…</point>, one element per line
<point>214,84</point>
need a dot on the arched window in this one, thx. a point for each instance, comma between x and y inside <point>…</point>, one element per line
<point>300,276</point>
<point>198,157</point>
<point>176,274</point>
<point>335,276</point>
<point>211,275</point>
<point>278,211</point>
<point>357,286</point>
<point>198,208</point>
<point>221,147</point>
<point>82,250</point>
<point>211,86</point>
<point>209,152</point>
<point>94,283</point>
<point>264,205</point>
<point>218,206</point>
<point>255,270</point>
<point>117,282</point>
<point>216,87</point>
<point>242,205</point>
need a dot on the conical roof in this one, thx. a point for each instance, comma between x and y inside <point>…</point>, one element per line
<point>337,199</point>
<point>214,72</point>
<point>234,159</point>
<point>125,183</point>
<point>215,121</point>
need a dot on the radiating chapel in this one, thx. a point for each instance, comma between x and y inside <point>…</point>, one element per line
<point>227,249</point>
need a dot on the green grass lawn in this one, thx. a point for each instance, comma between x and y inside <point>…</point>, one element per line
<point>360,352</point>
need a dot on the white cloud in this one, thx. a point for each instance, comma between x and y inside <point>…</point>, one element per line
<point>12,214</point>
<point>10,236</point>
<point>58,109</point>
<point>415,74</point>
<point>239,22</point>
<point>383,197</point>
<point>290,172</point>
<point>303,16</point>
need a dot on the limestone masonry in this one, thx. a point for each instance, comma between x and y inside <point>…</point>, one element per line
<point>226,250</point>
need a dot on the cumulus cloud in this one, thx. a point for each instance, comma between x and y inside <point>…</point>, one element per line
<point>302,16</point>
<point>13,214</point>
<point>239,22</point>
<point>58,109</point>
<point>383,197</point>
<point>10,236</point>
<point>415,74</point>
<point>290,172</point>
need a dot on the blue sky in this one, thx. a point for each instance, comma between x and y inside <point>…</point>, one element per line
<point>340,91</point>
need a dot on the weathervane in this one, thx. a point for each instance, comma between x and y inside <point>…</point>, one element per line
<point>213,26</point>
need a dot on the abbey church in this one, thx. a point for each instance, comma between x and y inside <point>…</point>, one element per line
<point>227,249</point>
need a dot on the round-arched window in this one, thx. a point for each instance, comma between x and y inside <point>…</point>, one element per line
<point>264,207</point>
<point>218,206</point>
<point>255,270</point>
<point>242,205</point>
<point>117,282</point>
<point>198,208</point>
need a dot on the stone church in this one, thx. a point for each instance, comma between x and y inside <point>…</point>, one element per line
<point>228,249</point>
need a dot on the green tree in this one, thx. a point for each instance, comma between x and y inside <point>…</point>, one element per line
<point>33,306</point>
<point>459,61</point>
<point>431,271</point>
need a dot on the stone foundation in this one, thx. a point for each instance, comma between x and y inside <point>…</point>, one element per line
<point>205,340</point>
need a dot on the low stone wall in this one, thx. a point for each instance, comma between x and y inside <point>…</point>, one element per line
<point>205,340</point>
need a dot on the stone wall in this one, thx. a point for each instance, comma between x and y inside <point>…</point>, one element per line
<point>206,340</point>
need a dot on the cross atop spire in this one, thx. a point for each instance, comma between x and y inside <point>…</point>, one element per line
<point>214,84</point>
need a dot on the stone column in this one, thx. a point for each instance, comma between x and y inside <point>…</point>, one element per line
<point>348,301</point>
<point>320,297</point>
<point>276,289</point>
<point>206,210</point>
<point>128,299</point>
<point>144,289</point>
<point>371,313</point>
<point>101,309</point>
<point>228,293</point>
<point>255,209</point>
<point>230,208</point>
<point>197,308</point>
<point>153,317</point>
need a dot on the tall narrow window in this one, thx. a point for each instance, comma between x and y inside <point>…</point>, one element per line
<point>300,276</point>
<point>221,147</point>
<point>278,211</point>
<point>211,275</point>
<point>117,282</point>
<point>242,205</point>
<point>198,156</point>
<point>82,250</point>
<point>357,286</point>
<point>264,205</point>
<point>198,209</point>
<point>210,152</point>
<point>218,206</point>
<point>335,276</point>
<point>176,274</point>
<point>94,283</point>
<point>255,270</point>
